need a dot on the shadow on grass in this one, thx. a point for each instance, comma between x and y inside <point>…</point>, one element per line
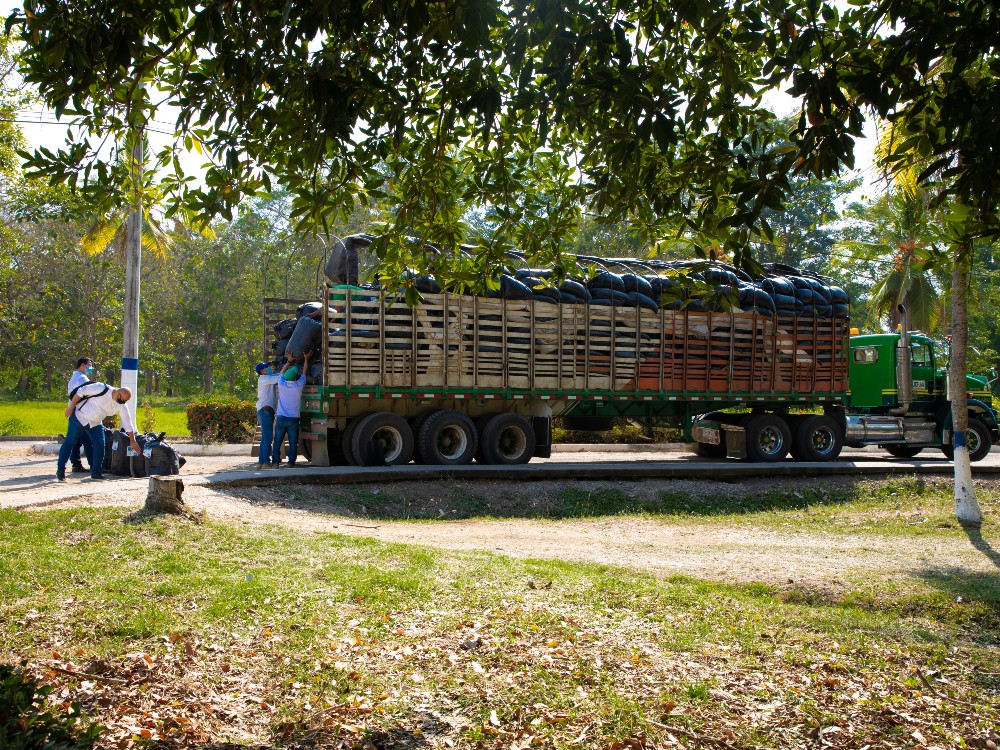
<point>317,739</point>
<point>975,535</point>
<point>463,499</point>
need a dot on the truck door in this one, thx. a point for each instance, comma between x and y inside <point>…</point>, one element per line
<point>869,373</point>
<point>923,371</point>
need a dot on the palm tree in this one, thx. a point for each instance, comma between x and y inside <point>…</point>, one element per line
<point>109,229</point>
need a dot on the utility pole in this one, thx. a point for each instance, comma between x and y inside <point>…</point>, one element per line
<point>133,264</point>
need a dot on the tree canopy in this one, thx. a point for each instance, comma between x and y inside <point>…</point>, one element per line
<point>643,110</point>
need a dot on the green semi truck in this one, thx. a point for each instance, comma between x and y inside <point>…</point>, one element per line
<point>461,378</point>
<point>898,399</point>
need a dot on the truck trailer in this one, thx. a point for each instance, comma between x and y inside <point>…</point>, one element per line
<point>459,378</point>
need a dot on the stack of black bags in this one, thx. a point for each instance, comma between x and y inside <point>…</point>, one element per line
<point>158,457</point>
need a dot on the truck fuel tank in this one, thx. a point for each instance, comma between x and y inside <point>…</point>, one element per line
<point>871,429</point>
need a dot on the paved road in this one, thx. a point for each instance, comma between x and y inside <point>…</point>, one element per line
<point>27,479</point>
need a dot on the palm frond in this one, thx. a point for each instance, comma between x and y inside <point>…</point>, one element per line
<point>100,235</point>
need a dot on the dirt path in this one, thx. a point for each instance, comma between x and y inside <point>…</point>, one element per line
<point>729,552</point>
<point>736,553</point>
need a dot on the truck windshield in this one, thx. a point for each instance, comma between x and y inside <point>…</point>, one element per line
<point>921,354</point>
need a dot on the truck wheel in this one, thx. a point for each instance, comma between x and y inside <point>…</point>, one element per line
<point>480,423</point>
<point>901,451</point>
<point>768,438</point>
<point>979,441</point>
<point>447,438</point>
<point>817,438</point>
<point>345,440</point>
<point>506,439</point>
<point>415,424</point>
<point>391,430</point>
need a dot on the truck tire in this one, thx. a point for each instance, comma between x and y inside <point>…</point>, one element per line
<point>506,439</point>
<point>415,424</point>
<point>447,438</point>
<point>346,442</point>
<point>979,440</point>
<point>388,428</point>
<point>901,451</point>
<point>817,438</point>
<point>768,438</point>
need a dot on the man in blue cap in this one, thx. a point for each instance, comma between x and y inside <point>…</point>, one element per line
<point>267,403</point>
<point>290,387</point>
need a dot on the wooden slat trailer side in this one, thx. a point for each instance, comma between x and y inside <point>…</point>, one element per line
<point>461,376</point>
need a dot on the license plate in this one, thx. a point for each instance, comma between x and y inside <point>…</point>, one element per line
<point>709,435</point>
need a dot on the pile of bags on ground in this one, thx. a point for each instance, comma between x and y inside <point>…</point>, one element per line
<point>651,284</point>
<point>158,457</point>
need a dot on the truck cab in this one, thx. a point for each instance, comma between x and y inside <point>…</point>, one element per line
<point>899,397</point>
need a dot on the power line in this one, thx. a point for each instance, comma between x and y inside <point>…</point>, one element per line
<point>19,121</point>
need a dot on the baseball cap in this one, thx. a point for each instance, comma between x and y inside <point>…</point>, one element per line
<point>292,373</point>
<point>261,366</point>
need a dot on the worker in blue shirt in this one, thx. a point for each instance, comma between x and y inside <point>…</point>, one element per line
<point>289,405</point>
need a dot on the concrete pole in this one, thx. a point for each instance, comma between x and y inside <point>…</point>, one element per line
<point>133,264</point>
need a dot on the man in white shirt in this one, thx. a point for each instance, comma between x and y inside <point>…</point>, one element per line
<point>90,406</point>
<point>267,402</point>
<point>80,376</point>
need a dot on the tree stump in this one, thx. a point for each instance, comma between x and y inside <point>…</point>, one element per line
<point>165,496</point>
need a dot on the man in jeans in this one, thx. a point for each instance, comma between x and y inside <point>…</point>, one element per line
<point>87,410</point>
<point>267,402</point>
<point>290,387</point>
<point>80,376</point>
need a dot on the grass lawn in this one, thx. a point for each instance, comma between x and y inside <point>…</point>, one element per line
<point>187,633</point>
<point>48,417</point>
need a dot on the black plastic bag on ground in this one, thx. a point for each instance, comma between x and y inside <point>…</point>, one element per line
<point>161,457</point>
<point>119,454</point>
<point>109,437</point>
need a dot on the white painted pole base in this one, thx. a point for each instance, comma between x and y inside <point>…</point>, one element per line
<point>130,380</point>
<point>966,506</point>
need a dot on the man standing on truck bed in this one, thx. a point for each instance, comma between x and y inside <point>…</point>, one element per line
<point>89,407</point>
<point>289,405</point>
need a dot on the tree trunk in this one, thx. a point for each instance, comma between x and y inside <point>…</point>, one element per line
<point>149,381</point>
<point>165,496</point>
<point>966,506</point>
<point>22,382</point>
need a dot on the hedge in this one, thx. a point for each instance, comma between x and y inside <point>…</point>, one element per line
<point>217,420</point>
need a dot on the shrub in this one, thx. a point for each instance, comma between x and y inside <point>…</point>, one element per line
<point>13,426</point>
<point>148,418</point>
<point>213,419</point>
<point>26,723</point>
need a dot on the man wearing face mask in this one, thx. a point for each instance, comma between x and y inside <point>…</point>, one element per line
<point>81,376</point>
<point>87,410</point>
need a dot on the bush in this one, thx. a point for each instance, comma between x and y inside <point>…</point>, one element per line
<point>148,418</point>
<point>13,426</point>
<point>26,723</point>
<point>221,420</point>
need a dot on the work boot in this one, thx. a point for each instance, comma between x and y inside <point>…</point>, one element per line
<point>79,469</point>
